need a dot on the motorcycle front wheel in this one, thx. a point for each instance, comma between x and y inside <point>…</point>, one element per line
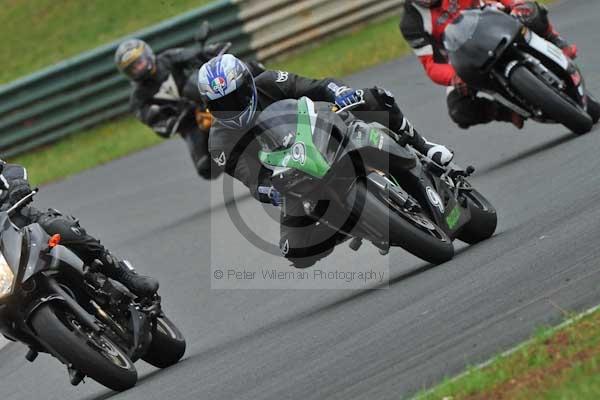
<point>167,346</point>
<point>411,230</point>
<point>484,218</point>
<point>552,103</point>
<point>93,354</point>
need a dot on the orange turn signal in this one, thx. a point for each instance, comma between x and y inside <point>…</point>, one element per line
<point>54,241</point>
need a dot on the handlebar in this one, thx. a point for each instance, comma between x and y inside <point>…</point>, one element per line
<point>180,118</point>
<point>23,202</point>
<point>350,107</point>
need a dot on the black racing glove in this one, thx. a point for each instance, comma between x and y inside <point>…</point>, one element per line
<point>19,188</point>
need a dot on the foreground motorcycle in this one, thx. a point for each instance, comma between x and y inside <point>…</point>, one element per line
<point>53,303</point>
<point>392,195</point>
<point>496,54</point>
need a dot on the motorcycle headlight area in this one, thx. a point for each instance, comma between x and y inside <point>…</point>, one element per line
<point>7,277</point>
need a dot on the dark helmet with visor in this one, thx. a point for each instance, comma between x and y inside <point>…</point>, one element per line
<point>229,89</point>
<point>135,59</point>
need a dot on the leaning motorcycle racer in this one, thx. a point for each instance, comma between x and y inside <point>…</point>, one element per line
<point>15,187</point>
<point>423,24</point>
<point>235,98</point>
<point>157,99</point>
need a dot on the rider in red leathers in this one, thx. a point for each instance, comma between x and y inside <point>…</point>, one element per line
<point>423,25</point>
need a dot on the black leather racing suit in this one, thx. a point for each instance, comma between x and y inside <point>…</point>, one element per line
<point>72,234</point>
<point>301,240</point>
<point>159,100</point>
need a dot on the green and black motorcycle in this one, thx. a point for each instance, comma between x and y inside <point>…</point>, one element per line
<point>390,194</point>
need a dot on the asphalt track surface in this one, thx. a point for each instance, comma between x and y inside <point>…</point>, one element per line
<point>349,344</point>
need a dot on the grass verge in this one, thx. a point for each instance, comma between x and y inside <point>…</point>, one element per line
<point>556,364</point>
<point>338,56</point>
<point>39,33</point>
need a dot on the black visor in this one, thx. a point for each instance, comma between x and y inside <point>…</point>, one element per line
<point>140,68</point>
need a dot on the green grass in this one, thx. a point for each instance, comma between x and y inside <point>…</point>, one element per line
<point>349,53</point>
<point>39,33</point>
<point>562,364</point>
<point>335,57</point>
<point>79,152</point>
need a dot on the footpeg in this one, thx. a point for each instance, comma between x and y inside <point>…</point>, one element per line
<point>470,170</point>
<point>31,355</point>
<point>355,243</point>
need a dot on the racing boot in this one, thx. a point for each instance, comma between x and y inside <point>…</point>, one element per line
<point>123,272</point>
<point>438,153</point>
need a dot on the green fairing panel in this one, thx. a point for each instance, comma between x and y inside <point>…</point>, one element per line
<point>303,155</point>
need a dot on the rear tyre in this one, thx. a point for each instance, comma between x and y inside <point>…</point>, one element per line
<point>554,105</point>
<point>168,344</point>
<point>412,231</point>
<point>95,355</point>
<point>484,219</point>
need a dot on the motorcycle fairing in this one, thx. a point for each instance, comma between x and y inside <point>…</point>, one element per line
<point>476,39</point>
<point>303,154</point>
<point>373,142</point>
<point>62,255</point>
<point>562,66</point>
<point>11,243</point>
<point>548,49</point>
<point>37,239</point>
<point>453,216</point>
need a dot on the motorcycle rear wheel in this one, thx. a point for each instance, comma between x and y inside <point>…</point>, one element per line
<point>552,103</point>
<point>95,355</point>
<point>413,231</point>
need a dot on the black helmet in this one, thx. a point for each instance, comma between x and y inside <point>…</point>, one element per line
<point>427,3</point>
<point>135,59</point>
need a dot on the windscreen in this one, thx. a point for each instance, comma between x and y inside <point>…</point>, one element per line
<point>461,30</point>
<point>277,126</point>
<point>11,242</point>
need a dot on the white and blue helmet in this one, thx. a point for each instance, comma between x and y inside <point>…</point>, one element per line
<point>229,88</point>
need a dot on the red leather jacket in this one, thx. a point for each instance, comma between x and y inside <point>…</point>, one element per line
<point>423,28</point>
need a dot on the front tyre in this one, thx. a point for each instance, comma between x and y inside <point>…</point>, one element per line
<point>484,218</point>
<point>555,105</point>
<point>413,231</point>
<point>167,346</point>
<point>95,355</point>
<point>593,108</point>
